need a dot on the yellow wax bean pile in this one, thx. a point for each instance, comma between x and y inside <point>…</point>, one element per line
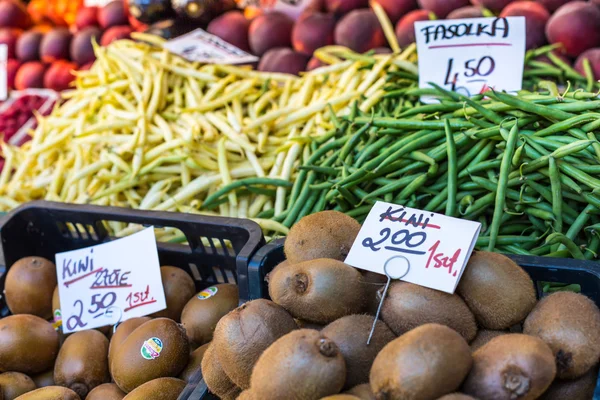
<point>149,130</point>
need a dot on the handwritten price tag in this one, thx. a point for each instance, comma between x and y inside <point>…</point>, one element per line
<point>470,56</point>
<point>435,247</point>
<point>3,73</point>
<point>111,282</point>
<point>203,47</point>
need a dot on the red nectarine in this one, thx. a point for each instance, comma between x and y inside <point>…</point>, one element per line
<point>30,75</point>
<point>576,26</point>
<point>312,32</point>
<point>232,27</point>
<point>59,76</point>
<point>360,31</point>
<point>268,31</point>
<point>536,17</point>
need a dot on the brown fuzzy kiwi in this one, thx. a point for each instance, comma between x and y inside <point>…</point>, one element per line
<point>28,344</point>
<point>407,306</point>
<point>350,334</point>
<point>315,367</point>
<point>308,325</point>
<point>242,335</point>
<point>82,362</point>
<point>281,265</point>
<point>578,389</point>
<point>203,311</point>
<point>457,396</point>
<point>246,395</point>
<point>326,234</point>
<point>29,286</point>
<point>165,388</point>
<point>570,324</point>
<point>51,393</point>
<point>318,291</point>
<point>14,384</point>
<point>497,290</point>
<point>216,379</point>
<point>179,287</point>
<point>341,396</point>
<point>373,283</point>
<point>512,366</point>
<point>123,330</point>
<point>484,336</point>
<point>363,392</point>
<point>159,348</point>
<point>194,363</point>
<point>44,379</point>
<point>106,391</point>
<point>424,363</point>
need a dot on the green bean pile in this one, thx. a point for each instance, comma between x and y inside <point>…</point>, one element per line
<point>525,166</point>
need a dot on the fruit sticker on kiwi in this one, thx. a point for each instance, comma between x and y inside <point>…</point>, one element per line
<point>201,46</point>
<point>109,283</point>
<point>57,319</point>
<point>416,246</point>
<point>207,293</point>
<point>151,348</point>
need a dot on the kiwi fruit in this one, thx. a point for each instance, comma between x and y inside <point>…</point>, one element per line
<point>44,379</point>
<point>408,306</point>
<point>242,335</point>
<point>497,290</point>
<point>202,312</point>
<point>511,366</point>
<point>570,324</point>
<point>326,234</point>
<point>304,364</point>
<point>363,392</point>
<point>51,393</point>
<point>29,286</point>
<point>425,363</point>
<point>341,397</point>
<point>156,349</point>
<point>194,363</point>
<point>308,325</point>
<point>373,283</point>
<point>28,344</point>
<point>123,330</point>
<point>457,396</point>
<point>158,389</point>
<point>82,362</point>
<point>179,288</point>
<point>484,336</point>
<point>350,334</point>
<point>215,378</point>
<point>14,384</point>
<point>578,389</point>
<point>318,291</point>
<point>246,395</point>
<point>280,266</point>
<point>106,391</point>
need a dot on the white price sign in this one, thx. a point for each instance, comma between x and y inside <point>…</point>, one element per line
<point>111,282</point>
<point>425,248</point>
<point>203,47</point>
<point>3,73</point>
<point>470,56</point>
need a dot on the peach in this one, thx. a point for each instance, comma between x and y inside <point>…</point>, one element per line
<point>314,63</point>
<point>81,49</point>
<point>441,8</point>
<point>396,9</point>
<point>59,76</point>
<point>14,15</point>
<point>340,7</point>
<point>55,45</point>
<point>115,33</point>
<point>86,16</point>
<point>493,5</point>
<point>553,5</point>
<point>466,12</point>
<point>283,60</point>
<point>28,46</point>
<point>12,66</point>
<point>268,31</point>
<point>9,37</point>
<point>593,56</point>
<point>112,14</point>
<point>536,17</point>
<point>232,27</point>
<point>360,31</point>
<point>313,32</point>
<point>30,75</point>
<point>576,26</point>
<point>405,29</point>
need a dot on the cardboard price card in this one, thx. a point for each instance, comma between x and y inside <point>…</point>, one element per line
<point>111,282</point>
<point>201,46</point>
<point>434,248</point>
<point>472,55</point>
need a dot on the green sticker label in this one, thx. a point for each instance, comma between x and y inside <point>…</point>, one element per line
<point>151,348</point>
<point>207,293</point>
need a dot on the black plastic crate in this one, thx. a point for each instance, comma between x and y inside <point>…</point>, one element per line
<point>219,248</point>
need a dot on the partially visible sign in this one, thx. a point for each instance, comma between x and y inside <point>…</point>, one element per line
<point>432,248</point>
<point>472,55</point>
<point>111,282</point>
<point>292,8</point>
<point>3,73</point>
<point>201,46</point>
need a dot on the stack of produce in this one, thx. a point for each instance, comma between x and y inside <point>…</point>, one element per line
<point>147,358</point>
<point>519,348</point>
<point>146,129</point>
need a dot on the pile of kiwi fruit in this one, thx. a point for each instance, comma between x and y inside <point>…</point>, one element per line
<point>145,358</point>
<point>491,340</point>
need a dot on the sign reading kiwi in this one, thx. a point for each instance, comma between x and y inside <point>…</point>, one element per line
<point>431,249</point>
<point>111,282</point>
